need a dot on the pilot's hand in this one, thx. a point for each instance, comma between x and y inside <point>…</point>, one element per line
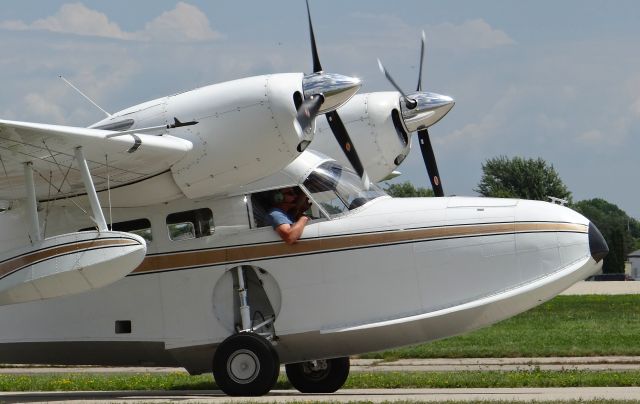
<point>302,206</point>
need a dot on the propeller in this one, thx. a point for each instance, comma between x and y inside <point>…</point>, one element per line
<point>419,111</point>
<point>320,88</point>
<point>423,138</point>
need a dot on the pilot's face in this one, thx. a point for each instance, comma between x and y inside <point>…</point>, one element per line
<point>289,195</point>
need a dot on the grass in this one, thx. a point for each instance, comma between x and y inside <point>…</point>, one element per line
<point>492,379</point>
<point>357,380</point>
<point>589,325</point>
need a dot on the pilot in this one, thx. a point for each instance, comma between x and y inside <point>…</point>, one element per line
<point>287,214</point>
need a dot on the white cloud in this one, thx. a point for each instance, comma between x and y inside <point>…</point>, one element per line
<point>13,25</point>
<point>592,136</point>
<point>472,34</point>
<point>550,122</point>
<point>42,107</point>
<point>632,89</point>
<point>72,18</point>
<point>490,124</point>
<point>469,35</point>
<point>182,24</point>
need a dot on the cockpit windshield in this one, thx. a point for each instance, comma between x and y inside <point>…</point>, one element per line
<point>337,189</point>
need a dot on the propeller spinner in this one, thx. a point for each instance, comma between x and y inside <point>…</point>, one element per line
<point>419,111</point>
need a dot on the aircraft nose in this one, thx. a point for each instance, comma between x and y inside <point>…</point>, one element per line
<point>597,244</point>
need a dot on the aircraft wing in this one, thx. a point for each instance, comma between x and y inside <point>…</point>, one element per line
<point>117,160</point>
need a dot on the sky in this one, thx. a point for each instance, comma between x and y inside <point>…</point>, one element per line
<point>558,80</point>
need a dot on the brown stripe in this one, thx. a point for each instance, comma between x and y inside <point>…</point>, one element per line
<point>279,249</point>
<point>17,263</point>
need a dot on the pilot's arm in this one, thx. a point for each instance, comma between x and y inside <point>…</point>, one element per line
<point>290,233</point>
<point>288,230</point>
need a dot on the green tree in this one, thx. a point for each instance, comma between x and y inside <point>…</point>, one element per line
<point>521,178</point>
<point>618,229</point>
<point>407,190</point>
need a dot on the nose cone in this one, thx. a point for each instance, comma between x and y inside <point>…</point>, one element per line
<point>597,244</point>
<point>429,109</point>
<point>336,89</point>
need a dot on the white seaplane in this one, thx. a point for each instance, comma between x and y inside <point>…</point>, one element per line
<point>185,273</point>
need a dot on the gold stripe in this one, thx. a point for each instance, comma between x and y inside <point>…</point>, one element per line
<point>278,249</point>
<point>17,263</point>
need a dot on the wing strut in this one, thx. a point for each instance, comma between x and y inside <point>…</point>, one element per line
<point>32,203</point>
<point>98,216</point>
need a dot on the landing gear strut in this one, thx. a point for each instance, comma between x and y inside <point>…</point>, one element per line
<point>246,364</point>
<point>319,376</point>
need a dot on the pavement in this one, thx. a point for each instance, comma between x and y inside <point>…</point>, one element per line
<point>583,394</point>
<point>604,288</point>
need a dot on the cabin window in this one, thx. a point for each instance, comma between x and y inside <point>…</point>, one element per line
<point>123,326</point>
<point>139,227</point>
<point>190,224</point>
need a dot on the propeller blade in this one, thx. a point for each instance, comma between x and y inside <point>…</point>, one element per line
<point>424,39</point>
<point>340,132</point>
<point>307,113</point>
<point>430,162</point>
<point>317,67</point>
<point>410,103</point>
<point>309,109</point>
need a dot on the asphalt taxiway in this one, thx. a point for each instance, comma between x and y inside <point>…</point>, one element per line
<point>342,396</point>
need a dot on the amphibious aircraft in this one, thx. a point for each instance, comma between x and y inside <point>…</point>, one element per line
<point>185,271</point>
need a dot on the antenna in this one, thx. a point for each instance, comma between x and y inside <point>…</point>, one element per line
<point>84,95</point>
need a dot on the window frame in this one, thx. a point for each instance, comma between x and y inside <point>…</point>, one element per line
<point>129,226</point>
<point>200,219</point>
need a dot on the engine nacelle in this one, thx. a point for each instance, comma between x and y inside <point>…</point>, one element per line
<point>244,130</point>
<point>374,123</point>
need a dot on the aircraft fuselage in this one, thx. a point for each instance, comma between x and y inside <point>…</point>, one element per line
<point>389,273</point>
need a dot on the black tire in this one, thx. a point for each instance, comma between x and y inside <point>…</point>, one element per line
<point>327,376</point>
<point>246,364</point>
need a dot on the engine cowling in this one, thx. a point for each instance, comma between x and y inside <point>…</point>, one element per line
<point>374,122</point>
<point>245,131</point>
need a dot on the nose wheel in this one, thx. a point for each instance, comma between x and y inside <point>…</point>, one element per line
<point>319,376</point>
<point>246,364</point>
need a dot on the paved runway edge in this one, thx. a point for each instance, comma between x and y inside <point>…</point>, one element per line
<point>342,396</point>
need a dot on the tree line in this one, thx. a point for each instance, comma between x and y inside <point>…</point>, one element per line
<point>536,179</point>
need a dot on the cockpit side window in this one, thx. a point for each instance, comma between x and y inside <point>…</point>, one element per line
<point>262,202</point>
<point>260,205</point>
<point>337,189</point>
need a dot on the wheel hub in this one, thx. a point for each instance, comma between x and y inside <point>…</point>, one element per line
<point>243,366</point>
<point>316,370</point>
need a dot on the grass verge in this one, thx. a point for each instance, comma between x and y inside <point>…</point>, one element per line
<point>591,325</point>
<point>359,380</point>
